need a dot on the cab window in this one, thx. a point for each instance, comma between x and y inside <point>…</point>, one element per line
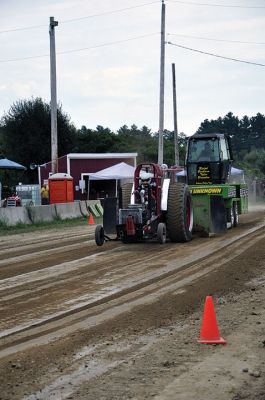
<point>224,155</point>
<point>203,150</point>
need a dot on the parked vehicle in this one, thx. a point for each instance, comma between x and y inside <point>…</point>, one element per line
<point>12,201</point>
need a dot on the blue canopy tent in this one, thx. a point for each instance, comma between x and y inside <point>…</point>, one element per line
<point>5,165</point>
<point>8,164</point>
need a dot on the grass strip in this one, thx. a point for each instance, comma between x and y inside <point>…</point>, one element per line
<point>55,224</point>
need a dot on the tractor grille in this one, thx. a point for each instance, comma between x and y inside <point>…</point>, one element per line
<point>134,212</point>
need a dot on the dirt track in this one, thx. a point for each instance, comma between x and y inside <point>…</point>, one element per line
<point>121,321</point>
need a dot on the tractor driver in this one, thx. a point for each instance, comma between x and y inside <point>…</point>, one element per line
<point>206,153</point>
<point>146,190</point>
<point>144,182</point>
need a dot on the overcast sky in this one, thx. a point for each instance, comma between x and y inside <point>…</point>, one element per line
<point>118,83</point>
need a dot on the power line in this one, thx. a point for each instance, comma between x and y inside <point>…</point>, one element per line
<point>26,28</point>
<point>81,49</point>
<point>215,40</point>
<point>107,12</point>
<point>216,55</point>
<point>80,18</point>
<point>214,5</point>
<point>107,44</point>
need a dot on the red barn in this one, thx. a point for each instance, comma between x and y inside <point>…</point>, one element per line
<point>81,165</point>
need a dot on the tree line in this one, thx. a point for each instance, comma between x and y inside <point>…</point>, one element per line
<point>25,138</point>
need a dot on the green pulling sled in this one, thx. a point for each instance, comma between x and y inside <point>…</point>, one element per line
<point>217,198</point>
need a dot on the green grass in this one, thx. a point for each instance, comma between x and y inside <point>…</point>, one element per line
<point>55,224</point>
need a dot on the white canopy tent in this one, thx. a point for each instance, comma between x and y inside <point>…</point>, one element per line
<point>116,172</point>
<point>119,172</point>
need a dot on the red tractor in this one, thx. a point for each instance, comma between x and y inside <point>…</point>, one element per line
<point>12,201</point>
<point>155,206</point>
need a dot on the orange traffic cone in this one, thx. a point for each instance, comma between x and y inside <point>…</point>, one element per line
<point>209,329</point>
<point>91,219</point>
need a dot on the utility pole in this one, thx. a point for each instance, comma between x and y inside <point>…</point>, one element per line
<point>162,86</point>
<point>54,138</point>
<point>176,145</point>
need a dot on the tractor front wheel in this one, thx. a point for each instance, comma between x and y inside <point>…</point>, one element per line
<point>179,213</point>
<point>99,235</point>
<point>161,233</point>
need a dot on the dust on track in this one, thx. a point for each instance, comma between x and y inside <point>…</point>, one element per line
<point>143,362</point>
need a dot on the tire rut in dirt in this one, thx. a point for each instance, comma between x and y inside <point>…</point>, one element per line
<point>128,295</point>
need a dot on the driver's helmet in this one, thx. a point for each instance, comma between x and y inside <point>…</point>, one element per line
<point>164,166</point>
<point>146,176</point>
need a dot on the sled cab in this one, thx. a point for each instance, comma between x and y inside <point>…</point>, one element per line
<point>209,159</point>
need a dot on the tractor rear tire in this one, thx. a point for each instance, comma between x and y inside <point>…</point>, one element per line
<point>99,235</point>
<point>179,213</point>
<point>126,191</point>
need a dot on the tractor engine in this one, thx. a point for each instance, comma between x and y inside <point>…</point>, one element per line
<point>142,210</point>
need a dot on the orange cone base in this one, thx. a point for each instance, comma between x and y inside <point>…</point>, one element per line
<point>214,341</point>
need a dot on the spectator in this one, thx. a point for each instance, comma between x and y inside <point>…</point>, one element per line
<point>44,195</point>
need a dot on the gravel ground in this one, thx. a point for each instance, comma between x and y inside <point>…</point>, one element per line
<point>167,363</point>
<point>151,351</point>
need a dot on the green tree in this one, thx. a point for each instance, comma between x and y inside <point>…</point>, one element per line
<point>141,141</point>
<point>246,133</point>
<point>253,163</point>
<point>26,133</point>
<point>137,140</point>
<point>101,140</point>
<point>257,126</point>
